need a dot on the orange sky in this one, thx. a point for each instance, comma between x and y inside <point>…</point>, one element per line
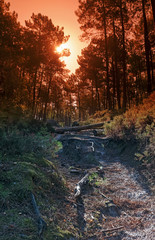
<point>62,13</point>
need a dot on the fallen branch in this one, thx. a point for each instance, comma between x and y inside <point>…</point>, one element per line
<point>80,184</point>
<point>76,171</point>
<point>103,195</point>
<point>41,223</point>
<point>112,229</point>
<point>78,128</point>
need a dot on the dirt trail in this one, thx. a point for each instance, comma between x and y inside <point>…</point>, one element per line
<point>116,204</point>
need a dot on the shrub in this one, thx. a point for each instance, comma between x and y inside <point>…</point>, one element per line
<point>137,124</point>
<point>14,142</point>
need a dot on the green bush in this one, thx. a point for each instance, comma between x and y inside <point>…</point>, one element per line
<point>14,142</point>
<point>137,124</point>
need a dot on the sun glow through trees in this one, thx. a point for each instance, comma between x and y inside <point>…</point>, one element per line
<point>67,51</point>
<point>63,47</point>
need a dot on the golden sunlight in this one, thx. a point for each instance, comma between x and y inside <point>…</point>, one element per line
<point>64,46</point>
<point>69,53</point>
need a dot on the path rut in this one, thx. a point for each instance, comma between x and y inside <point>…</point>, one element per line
<point>118,200</point>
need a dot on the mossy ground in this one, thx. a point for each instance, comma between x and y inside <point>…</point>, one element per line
<point>19,177</point>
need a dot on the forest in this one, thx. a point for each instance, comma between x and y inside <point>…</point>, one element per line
<point>77,154</point>
<point>115,69</point>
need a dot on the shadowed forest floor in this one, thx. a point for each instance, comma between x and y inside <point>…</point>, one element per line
<point>116,203</point>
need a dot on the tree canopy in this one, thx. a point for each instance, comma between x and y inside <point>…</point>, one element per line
<point>116,69</point>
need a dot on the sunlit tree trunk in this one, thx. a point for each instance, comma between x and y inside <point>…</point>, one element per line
<point>79,103</point>
<point>47,98</point>
<point>97,94</point>
<point>137,90</point>
<point>114,83</point>
<point>92,99</point>
<point>116,67</point>
<point>38,93</point>
<point>147,49</point>
<point>22,83</point>
<point>152,69</point>
<point>104,98</point>
<point>124,58</point>
<point>70,109</point>
<point>153,8</point>
<point>140,80</point>
<point>107,58</point>
<point>34,92</point>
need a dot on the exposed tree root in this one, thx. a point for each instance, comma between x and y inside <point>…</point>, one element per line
<point>42,225</point>
<point>80,184</point>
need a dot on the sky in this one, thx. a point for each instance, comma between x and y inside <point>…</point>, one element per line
<point>62,14</point>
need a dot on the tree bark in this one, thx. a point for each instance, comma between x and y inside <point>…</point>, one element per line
<point>152,69</point>
<point>47,98</point>
<point>38,95</point>
<point>92,100</point>
<point>107,58</point>
<point>124,58</point>
<point>34,92</point>
<point>79,128</point>
<point>97,94</point>
<point>153,8</point>
<point>79,103</point>
<point>147,50</point>
<point>114,83</point>
<point>116,68</point>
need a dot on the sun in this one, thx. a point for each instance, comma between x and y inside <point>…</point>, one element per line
<point>64,46</point>
<point>68,54</point>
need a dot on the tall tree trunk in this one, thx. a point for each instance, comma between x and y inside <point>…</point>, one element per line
<point>34,92</point>
<point>92,100</point>
<point>140,79</point>
<point>114,83</point>
<point>152,69</point>
<point>116,67</point>
<point>70,109</point>
<point>97,94</point>
<point>40,86</point>
<point>147,49</point>
<point>79,103</point>
<point>153,8</point>
<point>107,58</point>
<point>47,98</point>
<point>137,90</point>
<point>124,58</point>
<point>104,98</point>
<point>22,78</point>
<point>39,92</point>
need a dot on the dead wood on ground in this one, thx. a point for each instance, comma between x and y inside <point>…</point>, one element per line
<point>78,128</point>
<point>80,184</point>
<point>112,229</point>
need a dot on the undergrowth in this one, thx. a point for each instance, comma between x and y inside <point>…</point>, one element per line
<point>100,116</point>
<point>137,124</point>
<point>132,133</point>
<point>27,165</point>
